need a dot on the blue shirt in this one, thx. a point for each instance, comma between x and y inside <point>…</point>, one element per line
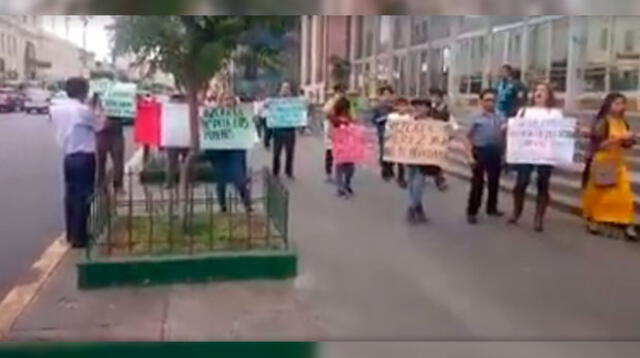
<point>507,97</point>
<point>486,130</point>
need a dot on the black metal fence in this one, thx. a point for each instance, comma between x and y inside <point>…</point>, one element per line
<point>155,219</point>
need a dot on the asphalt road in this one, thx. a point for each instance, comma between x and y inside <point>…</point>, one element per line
<point>31,214</point>
<point>367,275</point>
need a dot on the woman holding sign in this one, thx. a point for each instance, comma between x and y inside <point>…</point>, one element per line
<point>543,105</point>
<point>607,198</point>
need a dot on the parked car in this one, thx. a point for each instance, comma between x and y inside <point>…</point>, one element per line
<point>37,101</point>
<point>10,100</point>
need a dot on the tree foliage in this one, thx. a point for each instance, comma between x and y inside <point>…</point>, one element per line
<point>192,48</point>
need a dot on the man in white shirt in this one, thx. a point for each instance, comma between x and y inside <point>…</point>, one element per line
<point>75,127</point>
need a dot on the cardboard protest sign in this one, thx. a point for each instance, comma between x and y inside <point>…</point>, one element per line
<point>120,100</point>
<point>419,142</point>
<point>352,144</point>
<point>541,140</point>
<point>174,127</point>
<point>147,124</point>
<point>286,112</point>
<point>226,128</point>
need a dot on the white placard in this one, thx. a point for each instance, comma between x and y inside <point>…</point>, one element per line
<point>543,140</point>
<point>174,126</point>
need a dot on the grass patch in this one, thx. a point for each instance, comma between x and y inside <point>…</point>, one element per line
<point>162,235</point>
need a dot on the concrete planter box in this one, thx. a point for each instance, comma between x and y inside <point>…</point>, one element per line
<point>199,268</point>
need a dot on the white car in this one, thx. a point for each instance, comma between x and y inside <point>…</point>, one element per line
<point>37,101</point>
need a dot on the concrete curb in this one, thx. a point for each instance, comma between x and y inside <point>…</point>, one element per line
<point>220,266</point>
<point>23,294</point>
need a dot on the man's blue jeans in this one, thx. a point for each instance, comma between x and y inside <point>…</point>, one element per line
<point>417,184</point>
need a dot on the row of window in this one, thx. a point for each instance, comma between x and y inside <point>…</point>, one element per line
<point>611,55</point>
<point>8,44</point>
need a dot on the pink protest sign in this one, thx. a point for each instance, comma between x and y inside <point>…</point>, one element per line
<point>352,144</point>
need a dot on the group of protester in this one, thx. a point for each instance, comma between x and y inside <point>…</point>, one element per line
<point>88,137</point>
<point>607,198</point>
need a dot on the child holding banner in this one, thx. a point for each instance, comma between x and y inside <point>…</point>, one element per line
<point>607,197</point>
<point>401,111</point>
<point>543,105</point>
<point>418,173</point>
<point>348,146</point>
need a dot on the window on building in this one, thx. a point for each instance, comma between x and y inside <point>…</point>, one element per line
<point>625,66</point>
<point>385,32</point>
<point>559,54</point>
<point>309,53</point>
<point>369,26</point>
<point>629,41</point>
<point>413,74</point>
<point>440,27</point>
<point>539,47</point>
<point>476,64</point>
<point>359,37</point>
<point>419,30</point>
<point>398,31</point>
<point>598,54</point>
<point>423,84</point>
<point>604,39</point>
<point>514,50</point>
<point>462,60</point>
<point>2,43</point>
<point>321,42</point>
<point>472,23</point>
<point>499,43</point>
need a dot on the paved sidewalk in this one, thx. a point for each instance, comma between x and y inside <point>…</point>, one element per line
<point>366,275</point>
<point>222,311</point>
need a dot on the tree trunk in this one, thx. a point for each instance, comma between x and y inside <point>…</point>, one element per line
<point>187,170</point>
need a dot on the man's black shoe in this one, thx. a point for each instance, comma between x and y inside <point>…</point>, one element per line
<point>496,213</point>
<point>472,219</point>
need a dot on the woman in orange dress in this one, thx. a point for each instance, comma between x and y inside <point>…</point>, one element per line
<point>607,197</point>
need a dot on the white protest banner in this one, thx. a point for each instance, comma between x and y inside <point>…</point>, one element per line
<point>420,142</point>
<point>541,140</point>
<point>174,128</point>
<point>120,100</point>
<point>226,128</point>
<point>286,112</point>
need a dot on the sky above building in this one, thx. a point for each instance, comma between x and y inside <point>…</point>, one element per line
<point>72,29</point>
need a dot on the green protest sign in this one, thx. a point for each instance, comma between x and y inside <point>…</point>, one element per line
<point>100,86</point>
<point>226,128</point>
<point>286,112</point>
<point>120,100</point>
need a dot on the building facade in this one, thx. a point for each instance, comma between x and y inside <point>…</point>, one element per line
<point>583,57</point>
<point>322,38</point>
<point>28,52</point>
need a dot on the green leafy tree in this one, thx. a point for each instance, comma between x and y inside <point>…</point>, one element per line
<point>191,48</point>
